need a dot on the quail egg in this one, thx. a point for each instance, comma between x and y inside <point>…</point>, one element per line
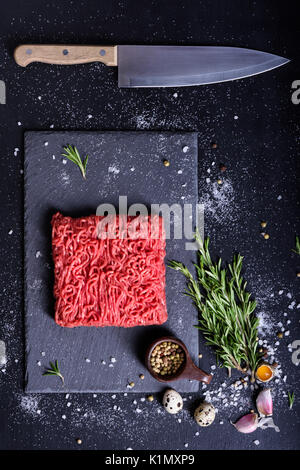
<point>172,401</point>
<point>205,414</point>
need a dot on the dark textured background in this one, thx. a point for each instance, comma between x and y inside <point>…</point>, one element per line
<point>258,147</point>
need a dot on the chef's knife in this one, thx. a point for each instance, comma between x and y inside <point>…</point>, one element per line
<point>158,66</point>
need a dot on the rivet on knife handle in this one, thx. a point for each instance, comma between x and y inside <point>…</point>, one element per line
<point>65,54</point>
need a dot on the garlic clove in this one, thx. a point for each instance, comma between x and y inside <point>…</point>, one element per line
<point>264,402</point>
<point>247,423</point>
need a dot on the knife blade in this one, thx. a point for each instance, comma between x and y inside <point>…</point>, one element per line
<point>159,66</point>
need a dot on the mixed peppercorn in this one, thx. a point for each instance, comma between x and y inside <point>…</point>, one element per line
<point>167,358</point>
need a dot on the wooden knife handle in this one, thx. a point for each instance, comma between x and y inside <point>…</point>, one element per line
<point>65,54</point>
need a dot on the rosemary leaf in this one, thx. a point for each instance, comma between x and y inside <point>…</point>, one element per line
<point>297,246</point>
<point>73,155</point>
<point>225,308</point>
<point>54,370</point>
<point>291,397</point>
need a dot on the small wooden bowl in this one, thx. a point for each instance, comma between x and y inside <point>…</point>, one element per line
<point>187,371</point>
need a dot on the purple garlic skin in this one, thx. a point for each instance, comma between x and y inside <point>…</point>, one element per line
<point>247,423</point>
<point>264,402</point>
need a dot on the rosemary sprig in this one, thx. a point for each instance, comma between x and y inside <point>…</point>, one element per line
<point>297,246</point>
<point>54,370</point>
<point>291,397</point>
<point>226,310</point>
<point>73,155</point>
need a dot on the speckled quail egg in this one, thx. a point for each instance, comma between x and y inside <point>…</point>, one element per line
<point>172,401</point>
<point>205,414</point>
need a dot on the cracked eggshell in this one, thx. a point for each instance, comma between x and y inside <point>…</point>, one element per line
<point>172,401</point>
<point>205,414</point>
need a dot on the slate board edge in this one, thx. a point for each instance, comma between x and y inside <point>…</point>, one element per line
<point>27,135</point>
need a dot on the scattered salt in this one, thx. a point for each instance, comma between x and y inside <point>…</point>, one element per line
<point>113,169</point>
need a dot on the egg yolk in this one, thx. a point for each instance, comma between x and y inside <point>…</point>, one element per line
<point>264,372</point>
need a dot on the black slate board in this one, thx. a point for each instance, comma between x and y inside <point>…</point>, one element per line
<point>120,163</point>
